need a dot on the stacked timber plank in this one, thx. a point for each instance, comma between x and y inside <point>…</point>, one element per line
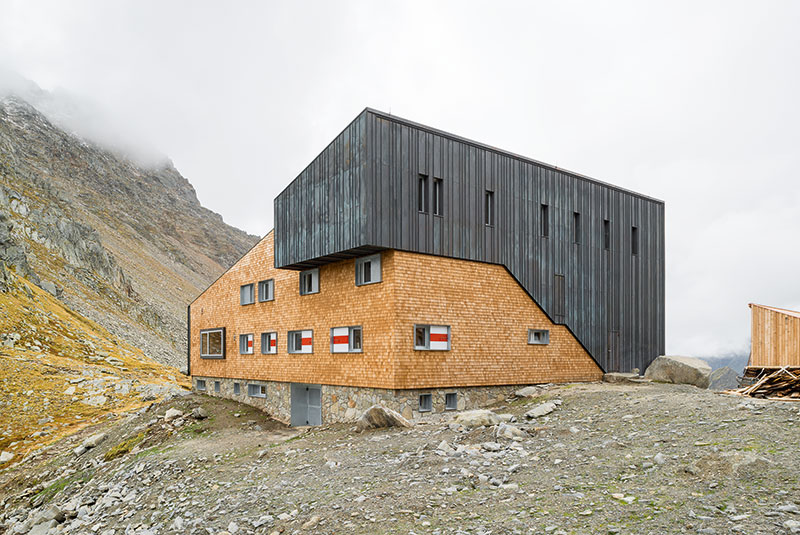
<point>781,384</point>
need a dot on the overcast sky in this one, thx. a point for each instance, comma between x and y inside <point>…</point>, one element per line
<point>695,103</point>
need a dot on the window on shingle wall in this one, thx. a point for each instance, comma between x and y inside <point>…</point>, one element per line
<point>266,290</point>
<point>538,336</point>
<point>247,294</point>
<point>432,337</point>
<point>246,344</point>
<point>346,340</point>
<point>269,343</point>
<point>368,270</point>
<point>309,281</point>
<point>212,343</point>
<point>300,341</point>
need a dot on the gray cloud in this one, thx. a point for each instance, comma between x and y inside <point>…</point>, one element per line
<point>693,103</point>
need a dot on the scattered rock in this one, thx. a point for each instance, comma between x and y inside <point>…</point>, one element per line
<point>679,370</point>
<point>43,528</point>
<point>542,409</point>
<point>527,392</point>
<point>6,456</point>
<point>199,413</point>
<point>377,417</point>
<point>311,523</point>
<point>172,413</point>
<point>477,418</point>
<point>792,525</point>
<point>510,432</point>
<point>619,377</point>
<point>69,391</point>
<point>445,447</point>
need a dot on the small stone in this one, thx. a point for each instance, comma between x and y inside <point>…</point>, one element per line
<point>233,528</point>
<point>659,458</point>
<point>445,447</point>
<point>93,441</point>
<point>80,450</point>
<point>510,432</point>
<point>541,409</point>
<point>199,413</point>
<point>172,414</point>
<point>69,391</point>
<point>311,523</point>
<point>789,508</point>
<point>792,525</point>
<point>491,446</point>
<point>587,512</point>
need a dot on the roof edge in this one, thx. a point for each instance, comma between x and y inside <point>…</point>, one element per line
<point>510,154</point>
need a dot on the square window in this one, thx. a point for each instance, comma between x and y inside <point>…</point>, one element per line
<point>538,336</point>
<point>246,344</point>
<point>212,343</point>
<point>425,403</point>
<point>451,401</point>
<point>368,270</point>
<point>432,337</point>
<point>266,290</point>
<point>201,384</point>
<point>269,343</point>
<point>246,296</point>
<point>309,281</point>
<point>236,389</point>
<point>346,340</point>
<point>257,391</point>
<point>301,341</point>
<point>217,387</point>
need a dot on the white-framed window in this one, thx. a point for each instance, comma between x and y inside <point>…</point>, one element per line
<point>217,387</point>
<point>269,343</point>
<point>538,336</point>
<point>368,270</point>
<point>246,344</point>
<point>432,337</point>
<point>425,403</point>
<point>237,389</point>
<point>201,384</point>
<point>212,343</point>
<point>257,391</point>
<point>309,281</point>
<point>301,341</point>
<point>247,294</point>
<point>451,401</point>
<point>346,340</point>
<point>266,290</point>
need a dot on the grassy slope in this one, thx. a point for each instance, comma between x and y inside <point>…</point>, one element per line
<point>59,349</point>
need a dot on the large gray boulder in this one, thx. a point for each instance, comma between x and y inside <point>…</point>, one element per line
<point>477,418</point>
<point>376,417</point>
<point>679,370</point>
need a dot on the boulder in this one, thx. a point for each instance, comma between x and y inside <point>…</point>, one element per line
<point>542,409</point>
<point>527,392</point>
<point>477,418</point>
<point>5,457</point>
<point>49,513</point>
<point>172,414</point>
<point>199,413</point>
<point>723,379</point>
<point>679,370</point>
<point>377,416</point>
<point>94,441</point>
<point>43,528</point>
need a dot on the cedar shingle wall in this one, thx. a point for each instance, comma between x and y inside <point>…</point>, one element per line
<point>487,310</point>
<point>775,338</point>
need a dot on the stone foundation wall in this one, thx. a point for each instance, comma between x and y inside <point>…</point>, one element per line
<point>341,404</point>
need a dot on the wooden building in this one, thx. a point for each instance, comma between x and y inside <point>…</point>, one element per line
<point>775,337</point>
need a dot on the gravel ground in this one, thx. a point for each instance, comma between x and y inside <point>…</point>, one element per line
<point>647,458</point>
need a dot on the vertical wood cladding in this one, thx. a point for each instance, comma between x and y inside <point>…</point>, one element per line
<point>775,337</point>
<point>607,290</point>
<point>488,313</point>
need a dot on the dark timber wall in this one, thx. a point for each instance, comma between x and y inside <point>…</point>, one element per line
<point>360,195</point>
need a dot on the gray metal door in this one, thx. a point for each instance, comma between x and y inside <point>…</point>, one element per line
<point>306,405</point>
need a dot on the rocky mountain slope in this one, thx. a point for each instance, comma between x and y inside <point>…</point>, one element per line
<point>126,245</point>
<point>60,372</point>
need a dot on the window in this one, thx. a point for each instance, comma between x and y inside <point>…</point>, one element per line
<point>488,209</point>
<point>538,336</point>
<point>576,227</point>
<point>635,240</point>
<point>237,389</point>
<point>246,344</point>
<point>201,384</point>
<point>438,197</point>
<point>212,343</point>
<point>346,340</point>
<point>425,403</point>
<point>269,343</point>
<point>545,220</point>
<point>217,387</point>
<point>309,281</point>
<point>301,341</point>
<point>606,234</point>
<point>368,270</point>
<point>246,294</point>
<point>422,194</point>
<point>266,290</point>
<point>432,337</point>
<point>257,391</point>
<point>451,401</point>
